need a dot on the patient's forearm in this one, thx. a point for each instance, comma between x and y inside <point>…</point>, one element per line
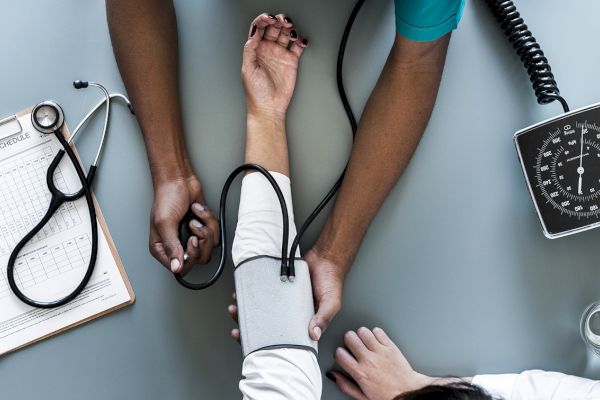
<point>391,126</point>
<point>266,142</point>
<point>144,38</point>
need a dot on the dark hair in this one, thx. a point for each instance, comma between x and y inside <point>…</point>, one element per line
<point>451,391</point>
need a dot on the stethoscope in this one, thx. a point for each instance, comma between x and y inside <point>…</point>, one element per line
<point>48,118</point>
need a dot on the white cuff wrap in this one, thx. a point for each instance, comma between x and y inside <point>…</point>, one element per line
<point>272,313</point>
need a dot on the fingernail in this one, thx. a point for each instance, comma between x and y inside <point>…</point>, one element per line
<point>175,265</point>
<point>271,16</point>
<point>196,224</point>
<point>305,42</point>
<point>197,206</point>
<point>288,20</point>
<point>253,32</point>
<point>317,332</point>
<point>330,375</point>
<point>294,34</point>
<point>194,241</point>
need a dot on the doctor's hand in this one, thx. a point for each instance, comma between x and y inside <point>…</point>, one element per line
<point>270,64</point>
<point>327,284</point>
<point>232,310</point>
<point>172,200</point>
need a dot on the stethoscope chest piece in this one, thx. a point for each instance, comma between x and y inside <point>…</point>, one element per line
<point>47,117</point>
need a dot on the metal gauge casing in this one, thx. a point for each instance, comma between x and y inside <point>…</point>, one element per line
<point>560,158</point>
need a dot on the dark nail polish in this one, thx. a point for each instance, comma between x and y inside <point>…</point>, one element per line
<point>253,30</point>
<point>330,376</point>
<point>271,16</point>
<point>288,20</point>
<point>305,42</point>
<point>293,34</point>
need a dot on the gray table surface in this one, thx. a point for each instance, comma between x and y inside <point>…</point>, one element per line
<point>455,266</point>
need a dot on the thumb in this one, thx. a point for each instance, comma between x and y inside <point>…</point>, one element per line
<point>168,232</point>
<point>328,306</point>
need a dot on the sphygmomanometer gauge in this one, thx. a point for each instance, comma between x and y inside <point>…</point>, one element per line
<point>560,158</point>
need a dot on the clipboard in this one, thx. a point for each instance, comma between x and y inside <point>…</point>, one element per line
<point>11,127</point>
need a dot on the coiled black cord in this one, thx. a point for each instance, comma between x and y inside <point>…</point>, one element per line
<point>527,47</point>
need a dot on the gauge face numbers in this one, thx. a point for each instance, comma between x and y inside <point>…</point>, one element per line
<point>561,162</point>
<point>568,169</point>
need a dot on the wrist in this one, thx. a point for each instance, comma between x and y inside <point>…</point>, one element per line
<point>422,381</point>
<point>265,124</point>
<point>167,154</point>
<point>441,381</point>
<point>416,381</point>
<point>170,169</point>
<point>258,115</point>
<point>335,248</point>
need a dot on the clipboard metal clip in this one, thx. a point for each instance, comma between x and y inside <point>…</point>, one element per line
<point>10,126</point>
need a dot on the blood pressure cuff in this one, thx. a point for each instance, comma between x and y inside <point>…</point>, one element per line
<point>273,314</point>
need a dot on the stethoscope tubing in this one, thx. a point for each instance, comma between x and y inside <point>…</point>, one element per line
<point>58,198</point>
<point>287,265</point>
<point>223,226</point>
<point>94,109</point>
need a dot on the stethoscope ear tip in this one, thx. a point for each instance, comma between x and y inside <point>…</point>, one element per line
<point>80,84</point>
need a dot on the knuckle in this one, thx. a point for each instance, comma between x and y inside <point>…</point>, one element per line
<point>245,72</point>
<point>207,258</point>
<point>160,221</point>
<point>154,246</point>
<point>337,354</point>
<point>194,186</point>
<point>170,247</point>
<point>192,253</point>
<point>360,376</point>
<point>336,306</point>
<point>369,360</point>
<point>169,250</point>
<point>204,257</point>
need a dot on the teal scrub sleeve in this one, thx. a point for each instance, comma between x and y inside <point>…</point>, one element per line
<point>427,20</point>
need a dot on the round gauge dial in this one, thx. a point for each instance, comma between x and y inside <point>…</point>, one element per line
<point>568,169</point>
<point>560,159</point>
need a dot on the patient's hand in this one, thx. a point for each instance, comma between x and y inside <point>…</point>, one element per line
<point>379,369</point>
<point>270,64</point>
